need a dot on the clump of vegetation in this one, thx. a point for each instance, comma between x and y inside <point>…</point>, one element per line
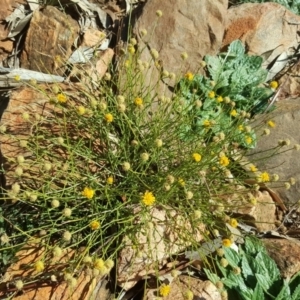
<point>114,147</point>
<point>250,273</point>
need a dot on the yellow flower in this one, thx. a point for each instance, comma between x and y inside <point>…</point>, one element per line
<point>211,94</point>
<point>131,49</point>
<point>233,222</point>
<point>233,113</point>
<point>207,123</point>
<point>61,98</point>
<point>224,161</point>
<point>164,290</point>
<point>148,198</point>
<point>264,177</point>
<point>88,193</point>
<point>253,168</point>
<point>274,85</point>
<point>248,140</point>
<point>39,266</point>
<point>219,99</point>
<point>109,118</point>
<point>226,242</point>
<point>189,76</point>
<point>271,123</point>
<point>138,102</point>
<point>241,127</point>
<point>81,110</point>
<point>181,182</point>
<point>17,78</point>
<point>94,225</point>
<point>110,180</point>
<point>99,264</point>
<point>197,157</point>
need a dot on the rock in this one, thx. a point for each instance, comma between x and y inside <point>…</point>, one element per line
<point>6,46</point>
<point>102,64</point>
<point>179,30</point>
<point>287,164</point>
<point>290,83</point>
<point>49,40</point>
<point>267,29</point>
<point>201,289</point>
<point>92,37</point>
<point>93,71</point>
<point>286,255</point>
<point>159,240</point>
<point>21,100</point>
<point>262,215</point>
<point>34,101</point>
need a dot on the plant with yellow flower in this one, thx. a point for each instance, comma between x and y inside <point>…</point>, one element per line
<point>88,193</point>
<point>148,198</point>
<point>94,225</point>
<point>164,290</point>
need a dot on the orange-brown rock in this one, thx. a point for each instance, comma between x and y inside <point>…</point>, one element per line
<point>49,285</point>
<point>6,45</point>
<point>286,254</point>
<point>267,29</point>
<point>49,40</point>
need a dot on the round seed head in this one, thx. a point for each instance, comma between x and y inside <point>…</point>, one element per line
<point>19,285</point>
<point>67,236</point>
<point>19,171</point>
<point>20,159</point>
<point>126,166</point>
<point>55,203</point>
<point>67,212</point>
<point>16,188</point>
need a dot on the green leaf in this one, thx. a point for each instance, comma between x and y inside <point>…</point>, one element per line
<point>271,270</point>
<point>214,278</point>
<point>285,293</point>
<point>263,281</point>
<point>215,67</point>
<point>229,283</point>
<point>223,270</point>
<point>247,272</point>
<point>258,293</point>
<point>232,256</point>
<point>295,282</point>
<point>296,293</point>
<point>253,246</point>
<point>244,291</point>
<point>223,79</point>
<point>236,48</point>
